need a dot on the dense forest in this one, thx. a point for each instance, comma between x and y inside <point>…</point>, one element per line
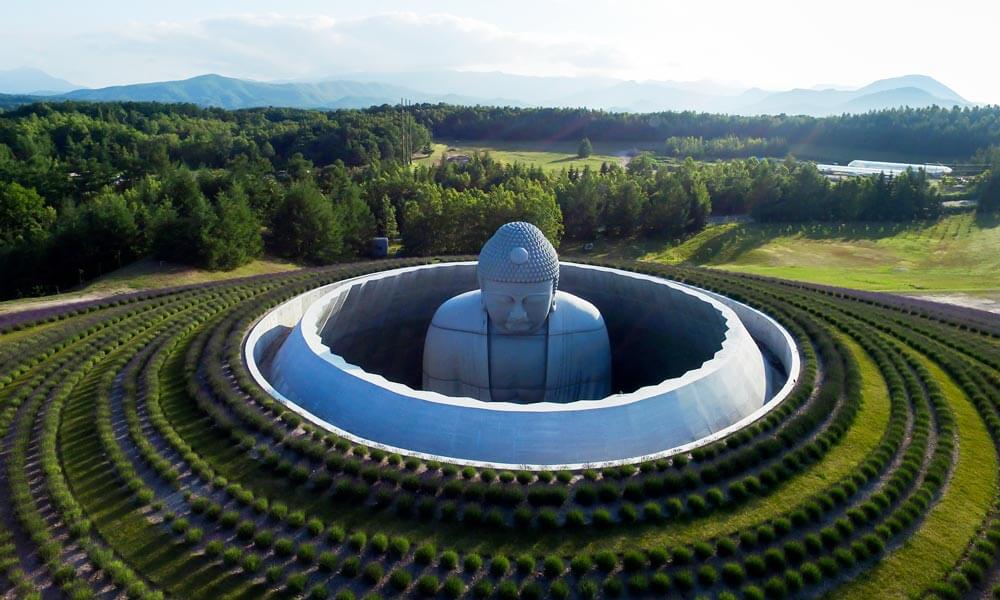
<point>87,188</point>
<point>955,132</point>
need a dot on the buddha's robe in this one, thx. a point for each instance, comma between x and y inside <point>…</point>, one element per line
<point>568,359</point>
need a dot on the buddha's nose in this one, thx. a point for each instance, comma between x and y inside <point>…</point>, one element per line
<point>517,313</point>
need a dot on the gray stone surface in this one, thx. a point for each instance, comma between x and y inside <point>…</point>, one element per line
<point>714,377</point>
<point>518,339</point>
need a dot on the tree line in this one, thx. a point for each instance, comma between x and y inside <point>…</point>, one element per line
<point>87,188</point>
<point>948,132</point>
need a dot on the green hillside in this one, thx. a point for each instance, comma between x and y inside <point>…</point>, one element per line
<point>956,253</point>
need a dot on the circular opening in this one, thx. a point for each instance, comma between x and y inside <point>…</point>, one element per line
<point>656,332</point>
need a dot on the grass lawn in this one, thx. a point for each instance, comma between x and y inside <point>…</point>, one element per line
<point>147,548</point>
<point>930,552</point>
<point>955,253</point>
<point>551,157</point>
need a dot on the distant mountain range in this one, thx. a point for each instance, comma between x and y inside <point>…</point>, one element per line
<point>33,82</point>
<point>358,90</point>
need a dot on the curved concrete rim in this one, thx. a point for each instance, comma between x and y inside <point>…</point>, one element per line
<point>308,325</point>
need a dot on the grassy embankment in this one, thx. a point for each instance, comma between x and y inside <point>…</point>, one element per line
<point>146,274</point>
<point>957,253</point>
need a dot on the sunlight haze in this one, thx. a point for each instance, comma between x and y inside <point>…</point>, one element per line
<point>770,45</point>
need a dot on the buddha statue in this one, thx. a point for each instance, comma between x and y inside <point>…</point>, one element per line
<point>518,338</point>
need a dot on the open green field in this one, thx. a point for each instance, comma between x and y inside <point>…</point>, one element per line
<point>956,253</point>
<point>551,157</point>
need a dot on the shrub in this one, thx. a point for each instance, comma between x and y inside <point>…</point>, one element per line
<point>351,567</point>
<point>684,581</point>
<point>306,553</point>
<point>472,563</point>
<point>612,587</point>
<point>703,550</point>
<point>732,573</point>
<point>327,561</point>
<point>633,560</point>
<point>660,582</point>
<point>273,574</point>
<point>580,564</point>
<point>453,587</point>
<point>251,563</point>
<point>775,587</point>
<point>507,590</point>
<point>532,590</point>
<point>774,559</point>
<point>725,547</point>
<point>525,564</point>
<point>575,518</point>
<point>637,584</point>
<point>602,518</point>
<point>380,543</point>
<point>373,572</point>
<point>755,565</point>
<point>193,535</point>
<point>499,565</point>
<point>483,588</point>
<point>559,590</point>
<point>296,583</point>
<point>605,560</point>
<point>707,575</point>
<point>336,534</point>
<point>752,592</point>
<point>652,512</point>
<point>357,541</point>
<point>425,554</point>
<point>681,555</point>
<point>553,566</point>
<point>811,573</point>
<point>400,545</point>
<point>400,579</point>
<point>449,560</point>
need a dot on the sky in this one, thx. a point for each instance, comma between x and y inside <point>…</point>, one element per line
<point>766,43</point>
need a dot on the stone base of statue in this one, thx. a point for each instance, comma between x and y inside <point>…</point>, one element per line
<point>565,361</point>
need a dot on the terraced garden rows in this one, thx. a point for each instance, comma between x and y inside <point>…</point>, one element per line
<point>139,460</point>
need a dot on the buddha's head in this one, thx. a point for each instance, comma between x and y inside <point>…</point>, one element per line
<point>518,274</point>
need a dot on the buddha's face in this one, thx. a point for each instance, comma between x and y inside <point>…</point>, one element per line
<point>517,307</point>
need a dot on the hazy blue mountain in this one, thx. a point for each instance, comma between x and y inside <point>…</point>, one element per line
<point>503,89</point>
<point>26,80</point>
<point>521,89</point>
<point>226,92</point>
<point>907,96</point>
<point>911,90</point>
<point>922,82</point>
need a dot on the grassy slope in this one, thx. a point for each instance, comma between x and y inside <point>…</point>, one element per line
<point>928,554</point>
<point>869,426</point>
<point>146,274</point>
<point>955,253</point>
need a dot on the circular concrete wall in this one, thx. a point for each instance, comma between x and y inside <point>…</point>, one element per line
<point>688,363</point>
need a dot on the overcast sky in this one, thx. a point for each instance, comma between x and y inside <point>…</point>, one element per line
<point>765,43</point>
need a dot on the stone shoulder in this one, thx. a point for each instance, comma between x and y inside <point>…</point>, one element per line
<point>574,314</point>
<point>463,312</point>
